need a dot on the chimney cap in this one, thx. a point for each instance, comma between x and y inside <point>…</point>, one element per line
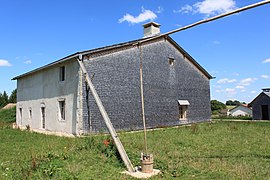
<point>151,29</point>
<point>151,24</point>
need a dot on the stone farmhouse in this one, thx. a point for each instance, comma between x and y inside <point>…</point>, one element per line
<point>56,98</point>
<point>261,105</point>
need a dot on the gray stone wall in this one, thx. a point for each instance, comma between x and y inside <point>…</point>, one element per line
<point>116,79</point>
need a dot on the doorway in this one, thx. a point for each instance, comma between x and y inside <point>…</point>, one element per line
<point>43,117</point>
<point>265,112</point>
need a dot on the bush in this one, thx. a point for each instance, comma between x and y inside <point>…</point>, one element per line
<point>217,105</point>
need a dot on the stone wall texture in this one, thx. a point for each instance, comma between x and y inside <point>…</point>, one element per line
<point>116,77</point>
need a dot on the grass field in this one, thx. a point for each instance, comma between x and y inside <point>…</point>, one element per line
<point>219,150</point>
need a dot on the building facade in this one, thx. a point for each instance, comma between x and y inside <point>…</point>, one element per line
<point>240,110</point>
<point>261,105</point>
<point>176,89</point>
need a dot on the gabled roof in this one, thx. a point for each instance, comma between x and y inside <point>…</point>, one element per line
<point>241,105</point>
<point>116,46</point>
<point>267,93</point>
<point>261,94</point>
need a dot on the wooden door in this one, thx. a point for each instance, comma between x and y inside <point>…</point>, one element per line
<point>265,112</point>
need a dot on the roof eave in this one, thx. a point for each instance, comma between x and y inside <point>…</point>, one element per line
<point>190,58</point>
<point>48,65</point>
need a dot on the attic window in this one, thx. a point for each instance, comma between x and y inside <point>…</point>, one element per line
<point>62,73</point>
<point>171,61</point>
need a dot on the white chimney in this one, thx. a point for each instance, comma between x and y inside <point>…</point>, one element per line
<point>151,29</point>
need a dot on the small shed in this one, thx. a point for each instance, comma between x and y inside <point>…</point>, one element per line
<point>261,105</point>
<point>241,110</point>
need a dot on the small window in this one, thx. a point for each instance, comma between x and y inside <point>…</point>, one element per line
<point>30,113</point>
<point>20,114</point>
<point>62,110</point>
<point>182,112</point>
<point>171,61</point>
<point>183,106</point>
<point>62,72</point>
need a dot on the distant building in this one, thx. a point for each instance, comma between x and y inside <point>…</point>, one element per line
<point>56,98</point>
<point>241,110</point>
<point>261,105</point>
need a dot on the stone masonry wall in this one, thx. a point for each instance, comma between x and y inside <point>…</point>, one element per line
<point>116,79</point>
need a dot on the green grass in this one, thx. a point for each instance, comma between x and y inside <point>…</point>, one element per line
<point>230,107</point>
<point>8,115</point>
<point>220,150</point>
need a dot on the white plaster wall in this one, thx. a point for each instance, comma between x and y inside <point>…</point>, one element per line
<point>43,88</point>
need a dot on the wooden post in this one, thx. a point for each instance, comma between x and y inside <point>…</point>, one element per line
<point>106,118</point>
<point>142,99</point>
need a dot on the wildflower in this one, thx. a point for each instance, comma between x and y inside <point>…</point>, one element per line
<point>106,142</point>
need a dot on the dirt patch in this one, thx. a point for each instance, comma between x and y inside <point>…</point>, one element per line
<point>9,106</point>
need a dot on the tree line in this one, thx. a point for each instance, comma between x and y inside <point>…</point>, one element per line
<point>217,105</point>
<point>5,99</point>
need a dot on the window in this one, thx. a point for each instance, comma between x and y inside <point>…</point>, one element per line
<point>43,117</point>
<point>62,72</point>
<point>183,106</point>
<point>30,113</point>
<point>20,114</point>
<point>182,112</point>
<point>62,110</point>
<point>171,61</point>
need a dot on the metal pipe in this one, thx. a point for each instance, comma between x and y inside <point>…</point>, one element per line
<point>208,20</point>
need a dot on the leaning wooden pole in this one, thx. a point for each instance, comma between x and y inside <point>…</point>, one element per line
<point>106,118</point>
<point>142,99</point>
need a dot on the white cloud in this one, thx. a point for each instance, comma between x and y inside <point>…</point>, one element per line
<point>253,92</point>
<point>209,7</point>
<point>159,10</point>
<point>226,80</point>
<point>247,81</point>
<point>143,16</point>
<point>185,9</point>
<point>230,91</point>
<point>27,62</point>
<point>240,87</point>
<point>4,63</point>
<point>217,86</point>
<point>265,76</point>
<point>266,60</point>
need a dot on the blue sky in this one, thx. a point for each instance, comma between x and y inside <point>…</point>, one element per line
<point>234,49</point>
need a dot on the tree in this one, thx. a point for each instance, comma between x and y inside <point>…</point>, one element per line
<point>217,105</point>
<point>3,99</point>
<point>13,96</point>
<point>233,103</point>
